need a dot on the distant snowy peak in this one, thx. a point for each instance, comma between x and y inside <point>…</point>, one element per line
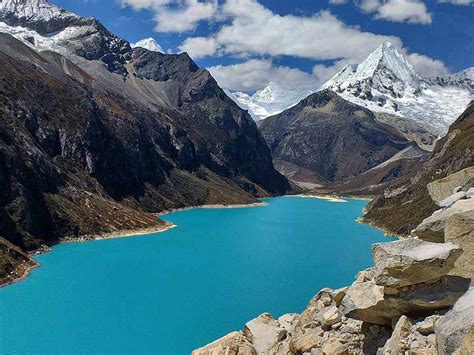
<point>150,44</point>
<point>269,101</point>
<point>32,10</point>
<point>385,82</point>
<point>384,69</point>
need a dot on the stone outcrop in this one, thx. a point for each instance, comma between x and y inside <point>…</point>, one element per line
<point>433,228</point>
<point>412,261</point>
<point>441,189</point>
<point>409,278</point>
<point>455,331</point>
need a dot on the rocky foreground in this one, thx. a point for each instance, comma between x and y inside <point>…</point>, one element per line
<point>417,299</point>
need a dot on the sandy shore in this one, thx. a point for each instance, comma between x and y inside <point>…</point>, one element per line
<point>241,205</point>
<point>330,198</point>
<point>120,234</point>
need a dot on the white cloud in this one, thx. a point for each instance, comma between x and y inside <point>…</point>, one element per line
<point>411,11</point>
<point>458,2</point>
<point>199,47</point>
<point>256,74</point>
<point>176,15</point>
<point>426,66</point>
<point>338,2</point>
<point>255,30</point>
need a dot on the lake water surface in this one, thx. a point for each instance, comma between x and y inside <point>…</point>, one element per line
<point>171,292</point>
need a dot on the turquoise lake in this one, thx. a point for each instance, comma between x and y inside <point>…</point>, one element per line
<point>171,292</point>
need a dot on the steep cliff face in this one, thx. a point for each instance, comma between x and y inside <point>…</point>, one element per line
<point>85,149</point>
<point>407,202</point>
<point>331,137</point>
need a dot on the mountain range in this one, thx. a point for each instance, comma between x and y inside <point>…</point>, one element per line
<point>387,84</point>
<point>97,136</point>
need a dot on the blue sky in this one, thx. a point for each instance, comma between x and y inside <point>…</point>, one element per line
<point>295,43</point>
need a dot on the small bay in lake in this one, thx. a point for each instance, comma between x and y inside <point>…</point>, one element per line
<point>171,292</point>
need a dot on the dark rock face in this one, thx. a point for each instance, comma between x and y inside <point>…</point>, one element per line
<point>77,157</point>
<point>406,203</point>
<point>335,139</point>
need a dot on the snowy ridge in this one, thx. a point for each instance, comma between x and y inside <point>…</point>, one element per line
<point>32,10</point>
<point>150,44</point>
<point>386,82</point>
<point>269,101</point>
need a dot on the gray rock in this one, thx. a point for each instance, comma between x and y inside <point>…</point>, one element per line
<point>441,189</point>
<point>367,301</point>
<point>455,331</point>
<point>395,344</point>
<point>264,332</point>
<point>460,230</point>
<point>412,261</point>
<point>470,193</point>
<point>448,201</point>
<point>232,343</point>
<point>433,228</point>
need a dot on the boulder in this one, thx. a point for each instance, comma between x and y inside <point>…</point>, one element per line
<point>264,332</point>
<point>433,228</point>
<point>455,331</point>
<point>426,326</point>
<point>460,230</point>
<point>396,344</point>
<point>367,301</point>
<point>412,261</point>
<point>234,343</point>
<point>306,342</point>
<point>331,315</point>
<point>445,187</point>
<point>334,347</point>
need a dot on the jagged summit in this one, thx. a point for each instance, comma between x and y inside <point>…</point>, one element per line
<point>383,67</point>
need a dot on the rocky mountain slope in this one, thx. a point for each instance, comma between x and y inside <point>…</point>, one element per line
<point>386,83</point>
<point>407,202</point>
<point>332,138</point>
<point>96,136</point>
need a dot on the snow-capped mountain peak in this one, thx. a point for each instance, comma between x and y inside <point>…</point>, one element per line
<point>383,67</point>
<point>32,10</point>
<point>385,82</point>
<point>150,44</point>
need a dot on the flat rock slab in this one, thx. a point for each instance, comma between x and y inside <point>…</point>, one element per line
<point>367,301</point>
<point>412,261</point>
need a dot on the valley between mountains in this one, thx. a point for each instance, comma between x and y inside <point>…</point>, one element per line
<point>97,137</point>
